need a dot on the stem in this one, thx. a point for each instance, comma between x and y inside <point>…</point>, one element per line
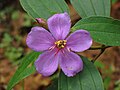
<point>98,56</point>
<point>98,47</point>
<point>23,84</point>
<point>56,74</point>
<point>103,48</point>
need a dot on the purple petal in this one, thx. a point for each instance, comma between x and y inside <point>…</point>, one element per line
<point>70,63</point>
<point>47,63</point>
<point>39,39</point>
<point>79,41</point>
<point>59,25</point>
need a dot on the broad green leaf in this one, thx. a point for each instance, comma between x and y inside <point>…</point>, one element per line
<point>24,69</point>
<point>88,79</point>
<point>103,29</point>
<point>87,8</point>
<point>44,8</point>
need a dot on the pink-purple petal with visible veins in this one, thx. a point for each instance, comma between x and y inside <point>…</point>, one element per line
<point>70,63</point>
<point>59,25</point>
<point>47,62</point>
<point>79,41</point>
<point>39,39</point>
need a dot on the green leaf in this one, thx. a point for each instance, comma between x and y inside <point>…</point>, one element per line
<point>87,8</point>
<point>44,8</point>
<point>102,29</point>
<point>88,79</point>
<point>23,71</point>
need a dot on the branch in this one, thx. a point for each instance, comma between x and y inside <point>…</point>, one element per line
<point>98,47</point>
<point>103,48</point>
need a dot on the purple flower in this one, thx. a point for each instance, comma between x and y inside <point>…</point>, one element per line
<point>57,47</point>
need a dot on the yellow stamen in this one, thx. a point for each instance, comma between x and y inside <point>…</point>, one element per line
<point>61,43</point>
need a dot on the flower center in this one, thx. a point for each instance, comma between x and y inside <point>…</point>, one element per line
<point>60,43</point>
